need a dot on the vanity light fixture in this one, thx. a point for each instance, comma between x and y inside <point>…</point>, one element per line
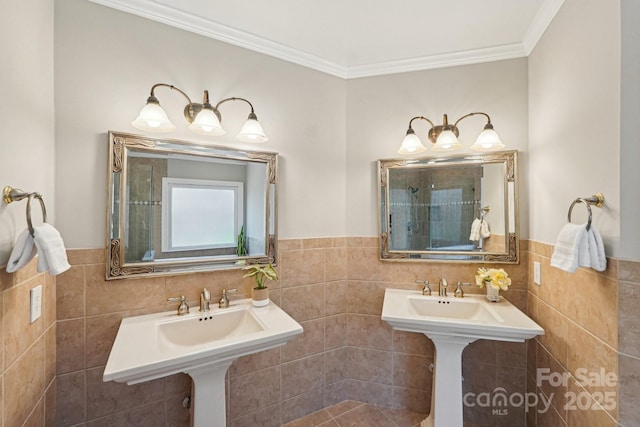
<point>203,118</point>
<point>445,137</point>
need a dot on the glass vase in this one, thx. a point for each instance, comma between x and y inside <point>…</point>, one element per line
<point>493,294</point>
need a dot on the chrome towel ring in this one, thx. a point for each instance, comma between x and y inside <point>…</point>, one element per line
<point>10,194</point>
<point>596,200</point>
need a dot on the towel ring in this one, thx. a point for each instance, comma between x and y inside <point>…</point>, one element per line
<point>597,200</point>
<point>44,210</point>
<point>10,195</point>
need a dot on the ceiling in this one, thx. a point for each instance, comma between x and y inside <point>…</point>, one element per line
<point>359,38</point>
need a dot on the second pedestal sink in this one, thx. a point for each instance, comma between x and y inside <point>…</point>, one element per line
<point>452,323</point>
<point>202,345</point>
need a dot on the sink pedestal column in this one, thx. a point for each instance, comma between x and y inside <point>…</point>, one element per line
<point>209,408</point>
<point>446,392</point>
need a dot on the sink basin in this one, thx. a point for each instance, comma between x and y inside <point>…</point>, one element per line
<point>469,309</point>
<point>452,323</point>
<point>202,345</point>
<point>196,331</point>
<point>472,316</point>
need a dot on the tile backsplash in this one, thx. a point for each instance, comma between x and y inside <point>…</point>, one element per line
<point>334,287</point>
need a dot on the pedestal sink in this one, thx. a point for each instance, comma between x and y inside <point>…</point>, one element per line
<point>452,323</point>
<point>202,345</point>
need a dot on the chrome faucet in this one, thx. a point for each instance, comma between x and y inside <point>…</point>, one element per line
<point>426,289</point>
<point>205,299</point>
<point>442,287</point>
<point>183,308</point>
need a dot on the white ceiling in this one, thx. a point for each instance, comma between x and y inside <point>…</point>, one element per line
<point>358,38</point>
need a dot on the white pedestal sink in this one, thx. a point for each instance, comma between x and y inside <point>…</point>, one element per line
<point>202,345</point>
<point>452,323</point>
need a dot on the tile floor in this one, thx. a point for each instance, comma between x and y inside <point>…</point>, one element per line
<point>351,413</point>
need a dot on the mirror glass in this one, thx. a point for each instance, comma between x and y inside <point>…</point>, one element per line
<point>462,208</point>
<point>176,206</point>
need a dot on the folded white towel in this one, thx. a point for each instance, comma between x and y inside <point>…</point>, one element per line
<point>598,260</point>
<point>566,252</point>
<point>52,255</point>
<point>475,230</point>
<point>23,252</point>
<point>484,229</point>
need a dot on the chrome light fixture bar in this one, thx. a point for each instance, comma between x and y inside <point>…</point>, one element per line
<point>204,118</point>
<point>445,137</point>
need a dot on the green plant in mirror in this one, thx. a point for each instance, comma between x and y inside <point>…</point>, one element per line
<point>241,249</point>
<point>261,273</point>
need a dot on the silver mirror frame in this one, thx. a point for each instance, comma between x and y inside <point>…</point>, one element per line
<point>511,210</point>
<point>119,145</point>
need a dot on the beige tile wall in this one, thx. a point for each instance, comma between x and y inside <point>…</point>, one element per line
<point>28,352</point>
<point>579,313</point>
<point>629,342</point>
<point>334,287</point>
<point>265,389</point>
<point>391,368</point>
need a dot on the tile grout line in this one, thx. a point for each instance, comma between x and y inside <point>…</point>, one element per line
<point>345,412</point>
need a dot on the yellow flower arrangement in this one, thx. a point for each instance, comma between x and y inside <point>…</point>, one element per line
<point>494,277</point>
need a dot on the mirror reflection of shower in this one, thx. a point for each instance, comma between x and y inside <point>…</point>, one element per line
<point>433,209</point>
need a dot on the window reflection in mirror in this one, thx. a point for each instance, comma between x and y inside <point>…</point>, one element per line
<point>187,206</point>
<point>449,208</point>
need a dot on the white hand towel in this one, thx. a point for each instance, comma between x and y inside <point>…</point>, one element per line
<point>598,260</point>
<point>484,229</point>
<point>52,254</point>
<point>475,230</point>
<point>23,252</point>
<point>566,252</point>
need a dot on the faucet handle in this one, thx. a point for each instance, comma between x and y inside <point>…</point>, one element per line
<point>426,289</point>
<point>459,293</point>
<point>183,308</point>
<point>224,300</point>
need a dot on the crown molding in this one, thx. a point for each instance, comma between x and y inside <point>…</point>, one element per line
<point>205,27</point>
<point>540,23</point>
<point>475,56</point>
<point>195,24</point>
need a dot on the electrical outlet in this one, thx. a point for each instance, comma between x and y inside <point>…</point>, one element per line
<point>36,303</point>
<point>536,273</point>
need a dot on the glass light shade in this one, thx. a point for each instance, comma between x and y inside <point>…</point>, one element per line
<point>207,123</point>
<point>153,118</point>
<point>411,144</point>
<point>252,132</point>
<point>447,141</point>
<point>488,140</point>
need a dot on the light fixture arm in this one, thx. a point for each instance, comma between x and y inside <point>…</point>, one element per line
<point>419,118</point>
<point>490,126</point>
<point>153,88</point>
<point>191,110</point>
<point>252,115</point>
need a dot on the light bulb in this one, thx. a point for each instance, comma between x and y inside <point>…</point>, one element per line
<point>207,123</point>
<point>447,141</point>
<point>252,131</point>
<point>153,118</point>
<point>411,144</point>
<point>488,140</point>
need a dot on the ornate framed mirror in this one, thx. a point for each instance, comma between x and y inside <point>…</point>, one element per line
<point>456,209</point>
<point>176,206</point>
